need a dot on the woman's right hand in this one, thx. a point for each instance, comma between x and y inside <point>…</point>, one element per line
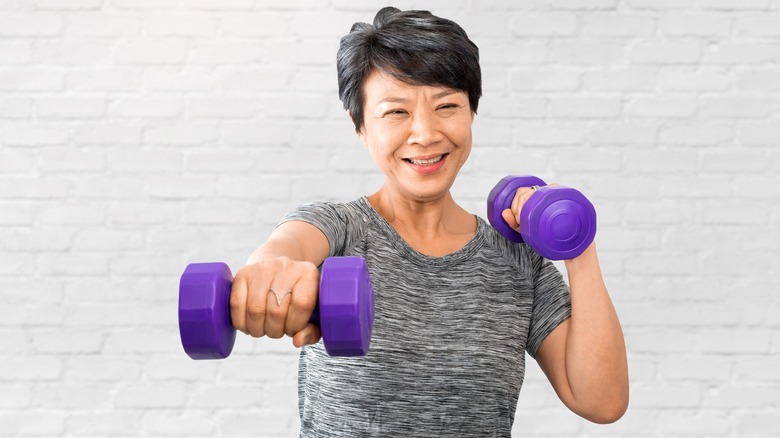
<point>274,297</point>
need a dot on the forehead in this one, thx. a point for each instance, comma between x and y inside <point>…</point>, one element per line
<point>380,85</point>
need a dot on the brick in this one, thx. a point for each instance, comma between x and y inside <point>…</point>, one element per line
<point>657,212</point>
<point>150,51</point>
<point>225,53</point>
<point>697,134</point>
<point>757,423</point>
<point>32,423</point>
<point>739,212</point>
<point>758,81</point>
<point>16,212</point>
<point>514,53</point>
<point>82,213</point>
<point>181,24</point>
<point>107,134</point>
<point>242,423</point>
<point>40,239</point>
<point>15,52</point>
<point>71,161</point>
<point>758,133</point>
<point>692,423</point>
<point>545,79</point>
<point>181,188</point>
<point>180,134</point>
<point>585,51</point>
<point>102,24</point>
<point>33,188</point>
<point>697,368</point>
<point>682,107</point>
<point>153,107</point>
<point>548,24</point>
<point>584,160</point>
<point>113,79</point>
<point>72,397</point>
<point>193,423</point>
<point>31,79</point>
<point>696,25</point>
<point>70,108</point>
<point>734,4</point>
<point>68,5</point>
<point>508,108</point>
<point>116,422</point>
<point>15,161</point>
<point>185,79</point>
<point>152,396</point>
<point>740,396</point>
<point>254,25</point>
<point>549,135</point>
<point>660,4</point>
<point>661,162</point>
<point>736,108</point>
<point>734,341</point>
<point>145,161</point>
<point>617,24</point>
<point>685,395</point>
<point>758,26</point>
<point>757,368</point>
<point>221,108</point>
<point>35,134</point>
<point>68,51</point>
<point>108,240</point>
<point>620,79</point>
<point>30,24</point>
<point>264,187</point>
<point>674,79</point>
<point>31,367</point>
<point>89,368</point>
<point>683,51</point>
<point>741,53</point>
<point>73,264</point>
<point>727,160</point>
<point>585,107</point>
<point>608,133</point>
<point>655,340</point>
<point>311,52</point>
<point>14,395</point>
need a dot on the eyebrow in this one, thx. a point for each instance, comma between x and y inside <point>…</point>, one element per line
<point>438,95</point>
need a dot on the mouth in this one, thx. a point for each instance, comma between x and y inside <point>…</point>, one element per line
<point>429,160</point>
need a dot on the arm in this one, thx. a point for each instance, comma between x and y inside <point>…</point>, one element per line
<point>287,261</point>
<point>585,356</point>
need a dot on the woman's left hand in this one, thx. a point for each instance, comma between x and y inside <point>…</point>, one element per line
<point>512,215</point>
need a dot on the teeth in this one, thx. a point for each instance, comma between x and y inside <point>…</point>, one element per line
<point>426,162</point>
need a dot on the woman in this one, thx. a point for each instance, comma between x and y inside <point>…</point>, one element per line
<point>457,305</point>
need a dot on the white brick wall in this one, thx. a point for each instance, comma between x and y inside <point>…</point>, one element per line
<point>137,136</point>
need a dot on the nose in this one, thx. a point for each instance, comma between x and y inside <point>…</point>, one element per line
<point>425,130</point>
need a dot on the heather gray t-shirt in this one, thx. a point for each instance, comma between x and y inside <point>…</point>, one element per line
<point>447,356</point>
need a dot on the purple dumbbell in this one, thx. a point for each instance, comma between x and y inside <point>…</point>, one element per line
<point>557,222</point>
<point>344,312</point>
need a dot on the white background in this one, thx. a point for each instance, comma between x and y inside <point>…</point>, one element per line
<point>137,136</point>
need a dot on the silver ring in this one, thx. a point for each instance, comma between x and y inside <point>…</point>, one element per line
<point>278,298</point>
<point>535,188</point>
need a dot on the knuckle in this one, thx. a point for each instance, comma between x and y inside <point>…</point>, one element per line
<point>277,313</point>
<point>255,311</point>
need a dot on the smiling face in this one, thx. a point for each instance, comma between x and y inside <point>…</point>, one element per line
<point>418,135</point>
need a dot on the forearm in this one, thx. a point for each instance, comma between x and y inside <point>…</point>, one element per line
<point>595,356</point>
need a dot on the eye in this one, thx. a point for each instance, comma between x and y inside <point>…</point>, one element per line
<point>449,106</point>
<point>397,112</point>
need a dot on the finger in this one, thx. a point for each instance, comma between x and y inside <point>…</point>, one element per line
<point>309,335</point>
<point>256,304</point>
<point>304,300</point>
<point>277,305</point>
<point>510,219</point>
<point>238,303</point>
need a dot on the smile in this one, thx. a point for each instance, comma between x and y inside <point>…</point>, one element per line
<point>425,161</point>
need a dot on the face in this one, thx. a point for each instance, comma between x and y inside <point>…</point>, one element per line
<point>418,135</point>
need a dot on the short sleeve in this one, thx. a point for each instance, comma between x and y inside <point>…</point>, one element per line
<point>552,302</point>
<point>327,218</point>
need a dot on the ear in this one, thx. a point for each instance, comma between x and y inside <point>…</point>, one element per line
<point>361,133</point>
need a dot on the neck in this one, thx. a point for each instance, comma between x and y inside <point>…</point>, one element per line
<point>425,221</point>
